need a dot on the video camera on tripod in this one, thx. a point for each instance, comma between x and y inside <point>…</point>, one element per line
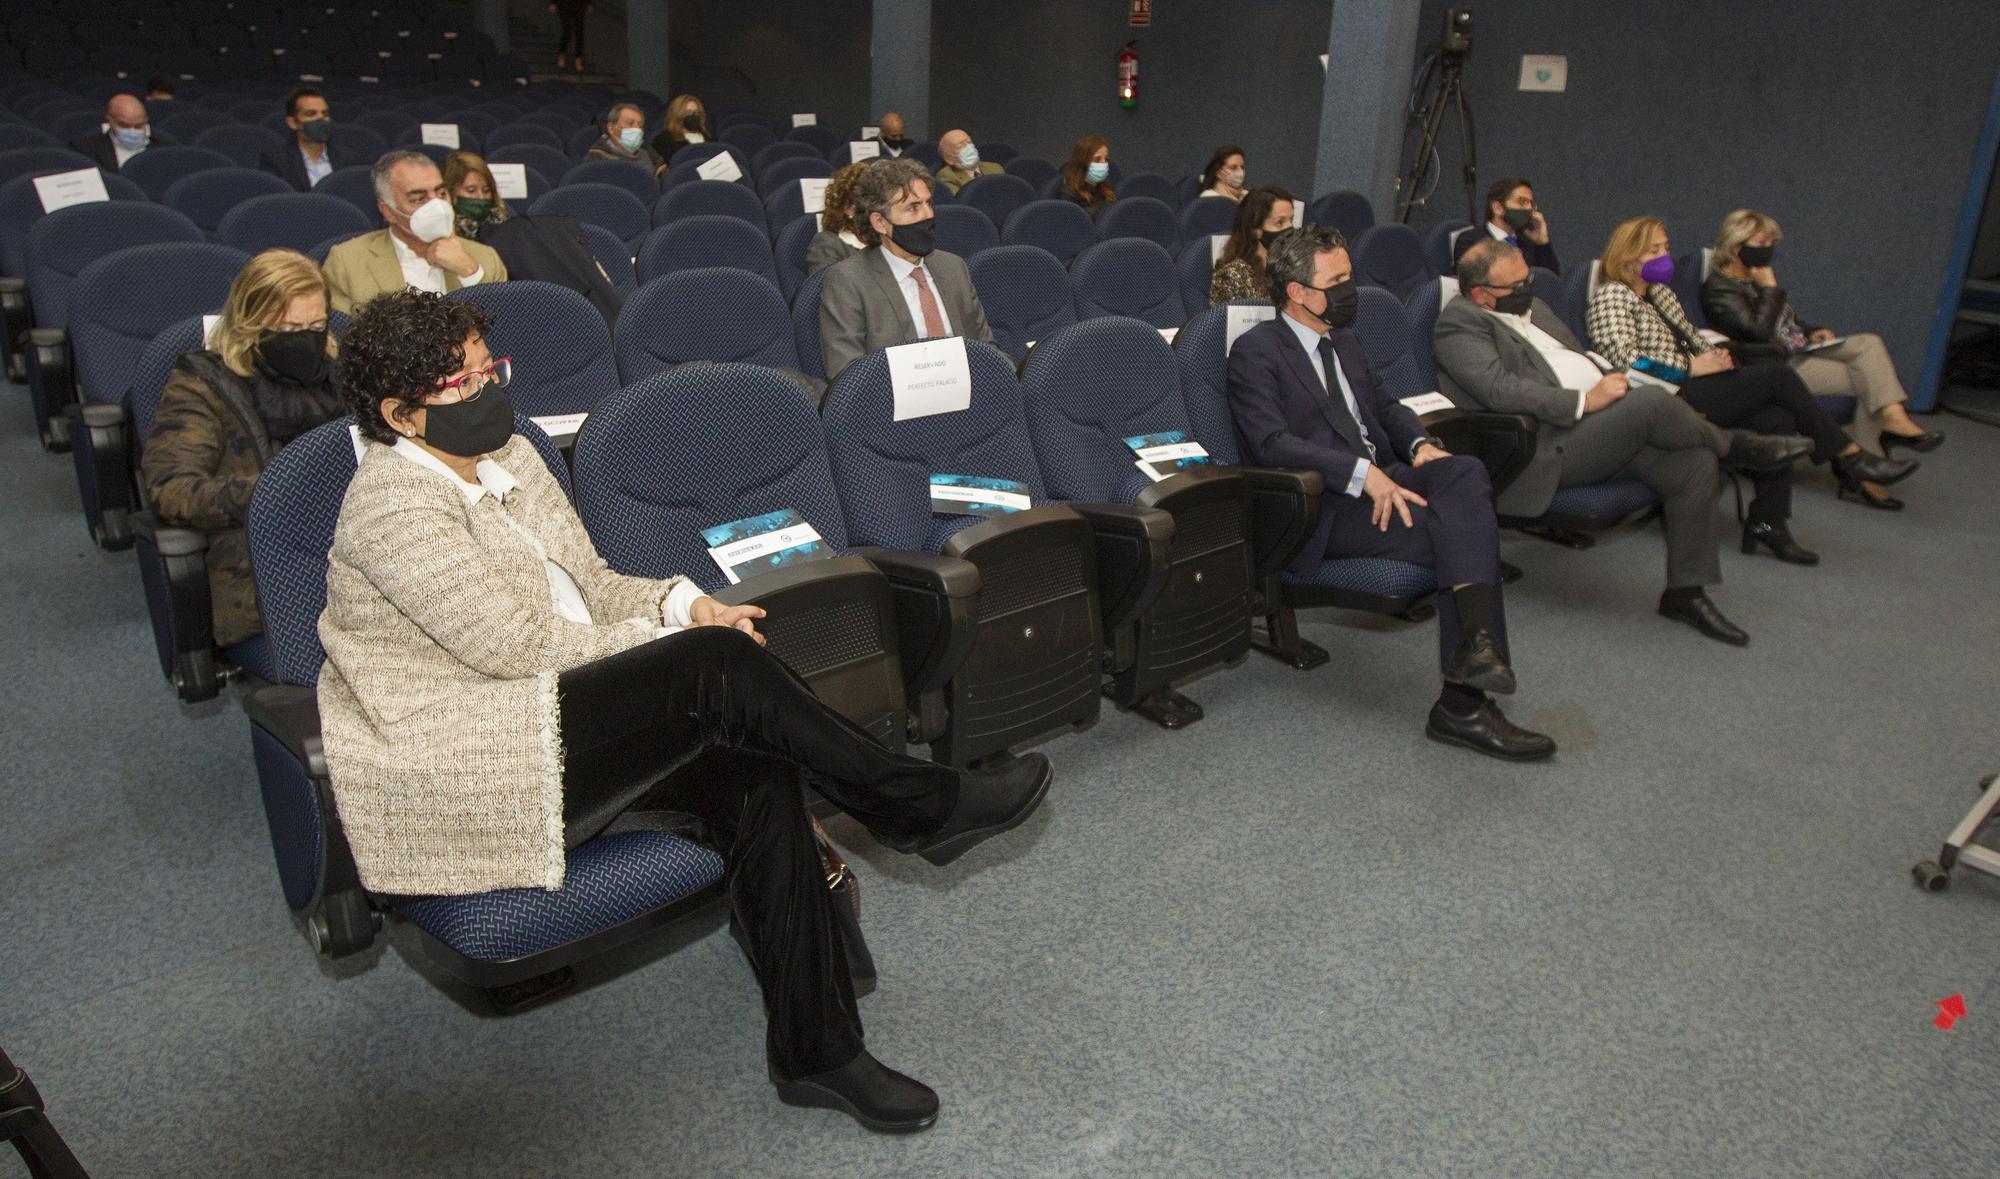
<point>1438,88</point>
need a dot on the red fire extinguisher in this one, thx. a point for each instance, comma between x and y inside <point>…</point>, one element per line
<point>1128,75</point>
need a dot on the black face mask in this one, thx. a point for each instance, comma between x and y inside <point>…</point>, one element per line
<point>918,237</point>
<point>1343,300</point>
<point>469,429</point>
<point>690,122</point>
<point>1516,302</point>
<point>317,130</point>
<point>1517,219</point>
<point>1755,256</point>
<point>298,357</point>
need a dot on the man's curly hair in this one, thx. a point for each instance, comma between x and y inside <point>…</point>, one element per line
<point>400,345</point>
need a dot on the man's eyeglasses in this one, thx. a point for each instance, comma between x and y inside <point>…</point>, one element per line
<point>1525,284</point>
<point>472,384</point>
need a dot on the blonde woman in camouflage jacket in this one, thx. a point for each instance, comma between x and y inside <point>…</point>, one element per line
<point>266,378</point>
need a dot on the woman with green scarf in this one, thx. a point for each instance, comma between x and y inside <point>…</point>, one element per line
<point>545,246</point>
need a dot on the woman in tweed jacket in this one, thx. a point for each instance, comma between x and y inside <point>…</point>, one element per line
<point>471,633</point>
<point>1634,314</point>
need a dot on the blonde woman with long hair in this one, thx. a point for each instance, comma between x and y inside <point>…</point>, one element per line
<point>686,122</point>
<point>264,377</point>
<point>1742,300</point>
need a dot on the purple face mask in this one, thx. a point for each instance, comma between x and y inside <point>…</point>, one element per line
<point>1659,271</point>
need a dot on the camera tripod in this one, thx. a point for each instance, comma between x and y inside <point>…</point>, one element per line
<point>1447,65</point>
<point>23,1123</point>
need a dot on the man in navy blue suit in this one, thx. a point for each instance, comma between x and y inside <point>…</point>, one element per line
<point>1302,396</point>
<point>309,156</point>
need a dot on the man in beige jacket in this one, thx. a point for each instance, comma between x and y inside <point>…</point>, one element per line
<point>961,162</point>
<point>419,249</point>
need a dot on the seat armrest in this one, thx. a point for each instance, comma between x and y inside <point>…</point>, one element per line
<point>1503,442</point>
<point>173,566</point>
<point>935,601</point>
<point>836,623</point>
<point>167,540</point>
<point>1284,511</point>
<point>290,713</point>
<point>1133,546</point>
<point>50,384</point>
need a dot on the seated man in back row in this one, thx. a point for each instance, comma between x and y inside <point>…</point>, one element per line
<point>310,155</point>
<point>128,130</point>
<point>1302,396</point>
<point>421,247</point>
<point>901,287</point>
<point>1499,348</point>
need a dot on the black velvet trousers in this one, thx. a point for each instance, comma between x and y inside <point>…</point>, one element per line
<point>708,723</point>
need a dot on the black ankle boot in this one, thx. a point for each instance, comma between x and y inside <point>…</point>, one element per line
<point>1779,540</point>
<point>868,1091</point>
<point>989,803</point>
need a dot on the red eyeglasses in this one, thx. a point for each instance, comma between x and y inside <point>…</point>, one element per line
<point>472,384</point>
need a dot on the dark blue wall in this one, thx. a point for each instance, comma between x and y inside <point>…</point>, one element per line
<point>1853,126</point>
<point>1041,74</point>
<point>799,55</point>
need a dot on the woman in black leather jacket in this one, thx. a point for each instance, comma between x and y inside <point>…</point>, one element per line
<point>1743,301</point>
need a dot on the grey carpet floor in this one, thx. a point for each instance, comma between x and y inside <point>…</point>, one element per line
<point>1296,939</point>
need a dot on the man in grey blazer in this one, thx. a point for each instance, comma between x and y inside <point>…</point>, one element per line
<point>1499,348</point>
<point>901,287</point>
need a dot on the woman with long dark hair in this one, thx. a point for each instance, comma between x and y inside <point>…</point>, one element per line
<point>1239,271</point>
<point>1223,175</point>
<point>1086,178</point>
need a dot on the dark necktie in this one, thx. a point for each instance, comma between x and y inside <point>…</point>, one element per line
<point>1343,417</point>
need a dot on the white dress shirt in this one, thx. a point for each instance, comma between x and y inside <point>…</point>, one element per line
<point>496,481</point>
<point>319,169</point>
<point>1309,340</point>
<point>1573,369</point>
<point>422,275</point>
<point>903,272</point>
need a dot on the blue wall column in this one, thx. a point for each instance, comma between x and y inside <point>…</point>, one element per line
<point>490,17</point>
<point>899,70</point>
<point>646,46</point>
<point>1371,48</point>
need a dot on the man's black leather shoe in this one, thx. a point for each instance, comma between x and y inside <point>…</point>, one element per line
<point>868,1091</point>
<point>1699,612</point>
<point>1477,664</point>
<point>1765,452</point>
<point>990,802</point>
<point>1487,731</point>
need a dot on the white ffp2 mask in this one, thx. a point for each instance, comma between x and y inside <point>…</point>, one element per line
<point>431,221</point>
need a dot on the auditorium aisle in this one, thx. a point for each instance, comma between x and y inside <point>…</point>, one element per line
<point>1295,940</point>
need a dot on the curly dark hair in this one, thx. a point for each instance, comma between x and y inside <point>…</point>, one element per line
<point>400,345</point>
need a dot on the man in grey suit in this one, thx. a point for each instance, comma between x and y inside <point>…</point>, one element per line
<point>901,287</point>
<point>1501,349</point>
